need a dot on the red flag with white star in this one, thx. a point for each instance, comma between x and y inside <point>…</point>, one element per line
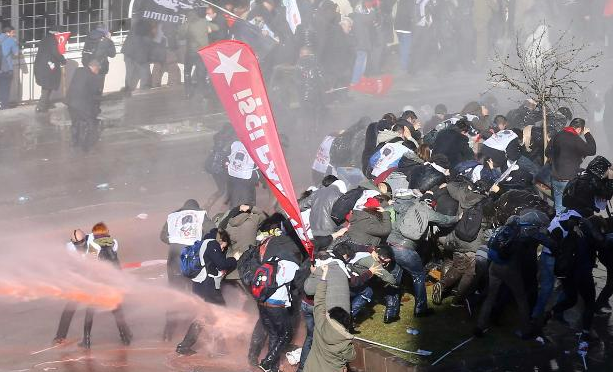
<point>235,74</point>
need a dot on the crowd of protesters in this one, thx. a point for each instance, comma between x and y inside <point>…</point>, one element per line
<point>480,199</point>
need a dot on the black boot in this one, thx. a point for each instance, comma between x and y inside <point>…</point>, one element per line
<point>87,329</point>
<point>65,320</point>
<point>185,346</point>
<point>124,331</point>
<point>258,339</point>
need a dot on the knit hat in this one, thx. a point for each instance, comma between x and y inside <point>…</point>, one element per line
<point>372,203</point>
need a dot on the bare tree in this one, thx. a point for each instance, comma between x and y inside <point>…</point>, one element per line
<point>551,74</point>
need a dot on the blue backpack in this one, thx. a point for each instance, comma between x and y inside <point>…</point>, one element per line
<point>190,260</point>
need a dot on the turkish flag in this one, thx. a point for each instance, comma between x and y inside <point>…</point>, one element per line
<point>62,39</point>
<point>235,73</point>
<point>376,86</point>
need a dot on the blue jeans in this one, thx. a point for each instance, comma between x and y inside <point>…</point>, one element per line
<point>359,67</point>
<point>557,189</point>
<point>6,79</point>
<point>309,320</point>
<point>404,44</point>
<point>547,281</point>
<point>359,298</point>
<point>410,261</point>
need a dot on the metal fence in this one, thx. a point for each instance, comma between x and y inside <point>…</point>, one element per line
<point>34,18</point>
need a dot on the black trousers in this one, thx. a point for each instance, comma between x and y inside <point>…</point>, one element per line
<point>581,282</point>
<point>68,314</point>
<point>607,291</point>
<point>277,323</point>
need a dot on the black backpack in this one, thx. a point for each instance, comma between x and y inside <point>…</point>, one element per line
<point>345,204</point>
<point>250,261</point>
<point>468,227</point>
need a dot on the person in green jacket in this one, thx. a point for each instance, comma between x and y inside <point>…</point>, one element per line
<point>332,344</point>
<point>195,32</point>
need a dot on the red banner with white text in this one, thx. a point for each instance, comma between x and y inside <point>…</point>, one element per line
<point>235,74</point>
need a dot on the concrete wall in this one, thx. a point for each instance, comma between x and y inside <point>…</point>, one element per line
<point>373,359</point>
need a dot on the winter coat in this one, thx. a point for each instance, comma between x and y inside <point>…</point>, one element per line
<point>139,43</point>
<point>243,230</point>
<point>409,163</point>
<point>104,248</point>
<point>283,247</point>
<point>309,78</point>
<point>581,192</point>
<point>466,197</point>
<point>405,16</point>
<point>195,31</point>
<point>454,145</point>
<point>84,94</point>
<point>103,49</point>
<point>215,260</point>
<point>338,294</point>
<point>47,64</point>
<point>401,205</point>
<point>332,345</point>
<point>366,229</point>
<point>320,203</point>
<point>425,177</point>
<point>501,147</point>
<point>365,263</point>
<point>567,151</point>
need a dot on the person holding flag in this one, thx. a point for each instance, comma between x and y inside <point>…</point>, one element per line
<point>47,70</point>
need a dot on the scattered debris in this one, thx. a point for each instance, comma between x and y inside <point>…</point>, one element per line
<point>23,199</point>
<point>103,186</point>
<point>412,331</point>
<point>293,357</point>
<point>142,216</point>
<point>540,340</point>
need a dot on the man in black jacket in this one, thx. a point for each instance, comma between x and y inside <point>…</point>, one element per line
<point>453,143</point>
<point>83,100</point>
<point>99,46</point>
<point>567,151</point>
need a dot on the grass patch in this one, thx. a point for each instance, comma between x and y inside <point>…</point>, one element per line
<point>441,332</point>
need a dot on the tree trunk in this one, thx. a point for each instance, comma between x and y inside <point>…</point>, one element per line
<point>545,139</point>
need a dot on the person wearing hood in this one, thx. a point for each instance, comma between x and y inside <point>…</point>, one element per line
<point>566,152</point>
<point>320,203</point>
<point>182,228</point>
<point>207,284</point>
<point>430,174</point>
<point>102,247</point>
<point>83,101</point>
<point>590,191</point>
<point>370,225</point>
<point>48,70</point>
<point>453,143</point>
<point>332,345</point>
<point>440,114</point>
<point>99,46</point>
<point>242,224</point>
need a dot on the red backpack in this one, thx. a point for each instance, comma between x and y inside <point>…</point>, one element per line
<point>264,283</point>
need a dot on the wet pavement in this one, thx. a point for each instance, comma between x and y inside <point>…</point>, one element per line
<point>149,160</point>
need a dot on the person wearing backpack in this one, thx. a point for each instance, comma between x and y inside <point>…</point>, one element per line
<point>274,308</point>
<point>182,228</point>
<point>579,240</point>
<point>48,70</point>
<point>321,203</point>
<point>507,248</point>
<point>206,270</point>
<point>8,51</point>
<point>102,247</point>
<point>413,217</point>
<point>99,46</point>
